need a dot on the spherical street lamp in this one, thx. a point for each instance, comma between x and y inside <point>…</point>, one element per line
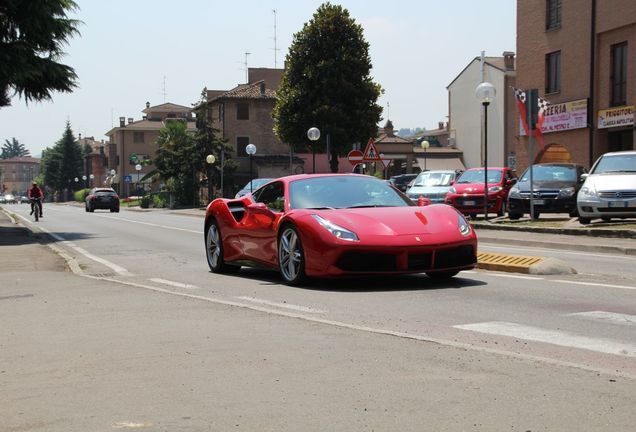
<point>250,149</point>
<point>91,177</point>
<point>209,159</point>
<point>314,135</point>
<point>485,93</point>
<point>138,169</point>
<point>425,145</point>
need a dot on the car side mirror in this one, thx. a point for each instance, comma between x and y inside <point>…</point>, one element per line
<point>583,177</point>
<point>452,182</point>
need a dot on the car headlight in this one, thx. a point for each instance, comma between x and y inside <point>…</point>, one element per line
<point>452,190</point>
<point>514,193</point>
<point>464,226</point>
<point>566,193</point>
<point>336,230</point>
<point>587,192</point>
<point>494,189</point>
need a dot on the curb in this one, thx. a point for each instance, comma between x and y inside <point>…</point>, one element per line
<point>589,232</point>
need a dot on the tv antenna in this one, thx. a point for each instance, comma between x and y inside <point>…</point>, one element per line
<point>247,78</point>
<point>164,93</point>
<point>275,40</point>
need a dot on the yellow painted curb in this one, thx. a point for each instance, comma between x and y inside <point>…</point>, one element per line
<point>505,262</point>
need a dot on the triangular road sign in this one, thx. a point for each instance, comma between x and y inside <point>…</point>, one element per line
<point>371,152</point>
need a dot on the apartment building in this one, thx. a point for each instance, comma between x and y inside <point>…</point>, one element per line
<point>17,173</point>
<point>581,56</point>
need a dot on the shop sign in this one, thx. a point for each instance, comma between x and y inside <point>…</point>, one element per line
<point>616,117</point>
<point>564,116</point>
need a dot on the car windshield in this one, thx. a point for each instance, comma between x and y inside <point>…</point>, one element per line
<point>477,176</point>
<point>344,192</point>
<point>256,183</point>
<point>432,178</point>
<point>616,163</point>
<point>550,173</point>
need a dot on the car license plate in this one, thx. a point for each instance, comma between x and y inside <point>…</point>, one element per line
<point>469,203</point>
<point>614,204</point>
<point>538,202</point>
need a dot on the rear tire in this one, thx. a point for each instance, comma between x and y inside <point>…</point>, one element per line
<point>502,210</point>
<point>36,214</point>
<point>214,251</point>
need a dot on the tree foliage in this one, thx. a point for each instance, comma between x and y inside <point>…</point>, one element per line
<point>13,148</point>
<point>174,160</point>
<point>62,163</point>
<point>32,35</point>
<point>327,83</point>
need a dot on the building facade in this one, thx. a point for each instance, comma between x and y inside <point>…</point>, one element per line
<point>466,113</point>
<point>17,173</point>
<point>581,56</point>
<point>138,138</point>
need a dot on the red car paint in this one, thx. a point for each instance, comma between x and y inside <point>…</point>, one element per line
<point>397,239</point>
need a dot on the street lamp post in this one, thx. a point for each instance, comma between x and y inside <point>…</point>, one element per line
<point>91,177</point>
<point>313,134</point>
<point>84,180</point>
<point>210,159</point>
<point>485,93</point>
<point>112,174</point>
<point>138,169</point>
<point>250,149</point>
<point>425,145</point>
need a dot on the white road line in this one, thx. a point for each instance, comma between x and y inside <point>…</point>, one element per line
<point>151,224</point>
<point>174,284</point>
<point>552,337</point>
<point>282,305</point>
<point>511,276</point>
<point>611,317</point>
<point>119,269</point>
<point>595,284</point>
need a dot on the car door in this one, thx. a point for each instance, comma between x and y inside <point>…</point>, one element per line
<point>260,223</point>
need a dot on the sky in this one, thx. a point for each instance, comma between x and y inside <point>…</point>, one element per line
<point>133,51</point>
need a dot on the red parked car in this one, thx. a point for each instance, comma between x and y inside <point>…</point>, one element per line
<point>329,225</point>
<point>467,193</point>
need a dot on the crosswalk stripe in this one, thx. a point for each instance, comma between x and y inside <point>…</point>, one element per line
<point>614,318</point>
<point>552,337</point>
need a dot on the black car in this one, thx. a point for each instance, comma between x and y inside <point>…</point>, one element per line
<point>555,186</point>
<point>402,181</point>
<point>102,198</point>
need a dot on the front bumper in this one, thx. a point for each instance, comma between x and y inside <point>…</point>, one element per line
<point>543,205</point>
<point>468,204</point>
<point>596,208</point>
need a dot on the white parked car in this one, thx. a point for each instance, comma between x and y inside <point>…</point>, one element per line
<point>433,185</point>
<point>609,190</point>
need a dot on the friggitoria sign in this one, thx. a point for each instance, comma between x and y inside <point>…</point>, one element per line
<point>564,116</point>
<point>616,117</point>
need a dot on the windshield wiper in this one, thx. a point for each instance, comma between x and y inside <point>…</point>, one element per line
<point>369,206</point>
<point>319,208</point>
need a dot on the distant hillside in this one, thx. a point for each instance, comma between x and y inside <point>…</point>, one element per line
<point>408,132</point>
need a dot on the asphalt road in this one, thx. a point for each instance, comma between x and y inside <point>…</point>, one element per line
<point>543,346</point>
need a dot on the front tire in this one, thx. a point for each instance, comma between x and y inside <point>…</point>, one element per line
<point>514,216</point>
<point>291,258</point>
<point>584,220</point>
<point>214,250</point>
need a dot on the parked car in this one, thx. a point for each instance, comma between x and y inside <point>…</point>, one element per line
<point>467,193</point>
<point>433,185</point>
<point>402,181</point>
<point>24,199</point>
<point>251,186</point>
<point>609,190</point>
<point>554,186</point>
<point>102,198</point>
<point>3,200</point>
<point>10,199</point>
<point>330,225</point>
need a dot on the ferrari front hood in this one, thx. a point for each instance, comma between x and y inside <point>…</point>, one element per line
<point>394,221</point>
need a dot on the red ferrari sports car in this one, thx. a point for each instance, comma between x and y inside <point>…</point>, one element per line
<point>329,225</point>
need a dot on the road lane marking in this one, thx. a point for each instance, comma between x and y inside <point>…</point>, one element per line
<point>611,317</point>
<point>554,337</point>
<point>172,283</point>
<point>510,276</point>
<point>283,305</point>
<point>150,224</point>
<point>119,269</point>
<point>595,284</point>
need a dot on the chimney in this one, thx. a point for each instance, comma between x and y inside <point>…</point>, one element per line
<point>388,128</point>
<point>147,105</point>
<point>263,88</point>
<point>440,125</point>
<point>509,60</point>
<point>122,121</point>
<point>130,120</point>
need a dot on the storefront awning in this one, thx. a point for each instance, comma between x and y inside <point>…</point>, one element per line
<point>441,163</point>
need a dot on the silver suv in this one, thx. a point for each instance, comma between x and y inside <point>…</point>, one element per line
<point>609,190</point>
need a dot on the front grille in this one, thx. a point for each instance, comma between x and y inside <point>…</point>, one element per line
<point>420,261</point>
<point>617,194</point>
<point>547,194</point>
<point>367,262</point>
<point>616,209</point>
<point>455,257</point>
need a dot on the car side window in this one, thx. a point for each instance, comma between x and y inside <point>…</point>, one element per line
<point>273,196</point>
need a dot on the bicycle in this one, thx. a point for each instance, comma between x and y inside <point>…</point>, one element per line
<point>36,207</point>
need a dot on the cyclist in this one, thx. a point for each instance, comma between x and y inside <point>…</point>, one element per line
<point>34,193</point>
